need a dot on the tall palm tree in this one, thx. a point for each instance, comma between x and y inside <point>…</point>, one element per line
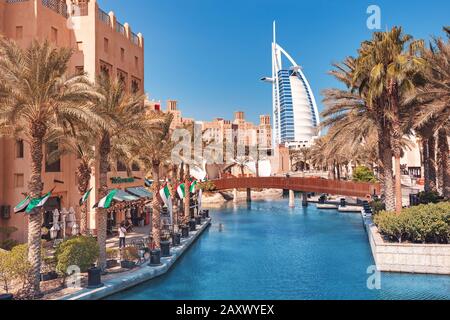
<point>125,118</point>
<point>40,99</point>
<point>154,152</point>
<point>389,67</point>
<point>434,116</point>
<point>79,140</point>
<point>355,120</point>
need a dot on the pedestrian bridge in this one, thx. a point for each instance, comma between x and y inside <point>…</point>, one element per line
<point>317,185</point>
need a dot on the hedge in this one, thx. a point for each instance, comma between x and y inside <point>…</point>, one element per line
<point>421,224</point>
<point>78,251</point>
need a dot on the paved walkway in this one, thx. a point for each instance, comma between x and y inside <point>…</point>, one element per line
<point>137,234</point>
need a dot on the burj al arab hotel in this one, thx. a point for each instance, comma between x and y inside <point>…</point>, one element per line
<point>295,113</point>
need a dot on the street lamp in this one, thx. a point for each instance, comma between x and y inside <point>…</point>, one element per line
<point>75,229</point>
<point>54,232</point>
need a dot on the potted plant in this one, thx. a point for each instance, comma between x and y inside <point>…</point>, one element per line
<point>185,231</point>
<point>129,256</point>
<point>165,243</point>
<point>111,256</point>
<point>48,269</point>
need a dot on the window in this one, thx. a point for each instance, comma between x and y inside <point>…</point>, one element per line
<point>80,45</point>
<point>106,45</point>
<point>136,62</point>
<point>19,180</point>
<point>79,70</point>
<point>121,167</point>
<point>135,85</point>
<point>54,35</point>
<point>105,68</point>
<point>52,165</point>
<point>122,54</point>
<point>135,167</point>
<point>19,149</point>
<point>19,32</point>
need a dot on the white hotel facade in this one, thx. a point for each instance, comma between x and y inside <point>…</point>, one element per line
<point>295,113</point>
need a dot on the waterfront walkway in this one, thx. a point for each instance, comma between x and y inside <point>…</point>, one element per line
<point>115,283</point>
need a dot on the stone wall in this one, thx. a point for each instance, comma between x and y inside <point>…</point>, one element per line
<point>404,257</point>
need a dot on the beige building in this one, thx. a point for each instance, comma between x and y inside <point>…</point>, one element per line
<point>101,44</point>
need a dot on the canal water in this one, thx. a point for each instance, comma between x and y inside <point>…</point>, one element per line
<point>267,251</point>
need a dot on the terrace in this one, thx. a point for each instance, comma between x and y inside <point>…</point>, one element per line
<point>118,27</point>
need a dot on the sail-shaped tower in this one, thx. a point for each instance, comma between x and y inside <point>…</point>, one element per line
<point>295,114</point>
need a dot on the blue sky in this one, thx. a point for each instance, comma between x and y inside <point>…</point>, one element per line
<point>210,54</point>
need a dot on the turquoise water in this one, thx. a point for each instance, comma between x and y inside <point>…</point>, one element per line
<point>268,251</point>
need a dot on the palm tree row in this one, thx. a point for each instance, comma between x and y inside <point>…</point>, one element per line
<point>100,123</point>
<point>394,88</point>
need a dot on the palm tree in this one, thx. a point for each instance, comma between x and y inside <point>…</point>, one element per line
<point>434,116</point>
<point>153,152</point>
<point>125,119</point>
<point>40,99</point>
<point>79,140</point>
<point>355,121</point>
<point>389,68</point>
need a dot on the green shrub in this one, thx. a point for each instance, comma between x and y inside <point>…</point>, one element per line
<point>78,251</point>
<point>6,270</point>
<point>421,224</point>
<point>429,197</point>
<point>377,206</point>
<point>363,174</point>
<point>112,253</point>
<point>130,254</point>
<point>207,186</point>
<point>7,243</point>
<point>20,264</point>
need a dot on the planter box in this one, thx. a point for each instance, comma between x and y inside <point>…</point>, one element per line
<point>111,264</point>
<point>127,264</point>
<point>407,257</point>
<point>49,276</point>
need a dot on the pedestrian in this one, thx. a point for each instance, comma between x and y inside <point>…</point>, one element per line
<point>122,232</point>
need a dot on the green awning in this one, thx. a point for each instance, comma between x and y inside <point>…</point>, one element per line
<point>140,192</point>
<point>124,196</point>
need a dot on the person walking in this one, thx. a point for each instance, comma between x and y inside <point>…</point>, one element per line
<point>122,232</point>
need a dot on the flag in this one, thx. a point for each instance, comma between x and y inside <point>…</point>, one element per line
<point>85,197</point>
<point>200,194</point>
<point>193,186</point>
<point>106,202</point>
<point>180,191</point>
<point>22,206</point>
<point>165,195</point>
<point>38,202</point>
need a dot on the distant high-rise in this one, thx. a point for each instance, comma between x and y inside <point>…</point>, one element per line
<point>295,114</point>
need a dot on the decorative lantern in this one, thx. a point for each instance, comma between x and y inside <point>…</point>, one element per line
<point>75,229</point>
<point>54,232</point>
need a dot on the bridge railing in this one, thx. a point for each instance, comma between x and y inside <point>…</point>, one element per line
<point>337,187</point>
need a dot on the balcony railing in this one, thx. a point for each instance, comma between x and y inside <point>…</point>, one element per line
<point>58,6</point>
<point>80,10</point>
<point>120,28</point>
<point>134,38</point>
<point>15,1</point>
<point>104,17</point>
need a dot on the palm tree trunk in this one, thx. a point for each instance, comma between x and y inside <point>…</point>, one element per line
<point>35,187</point>
<point>101,214</point>
<point>385,168</point>
<point>84,176</point>
<point>187,198</point>
<point>156,214</point>
<point>429,161</point>
<point>444,167</point>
